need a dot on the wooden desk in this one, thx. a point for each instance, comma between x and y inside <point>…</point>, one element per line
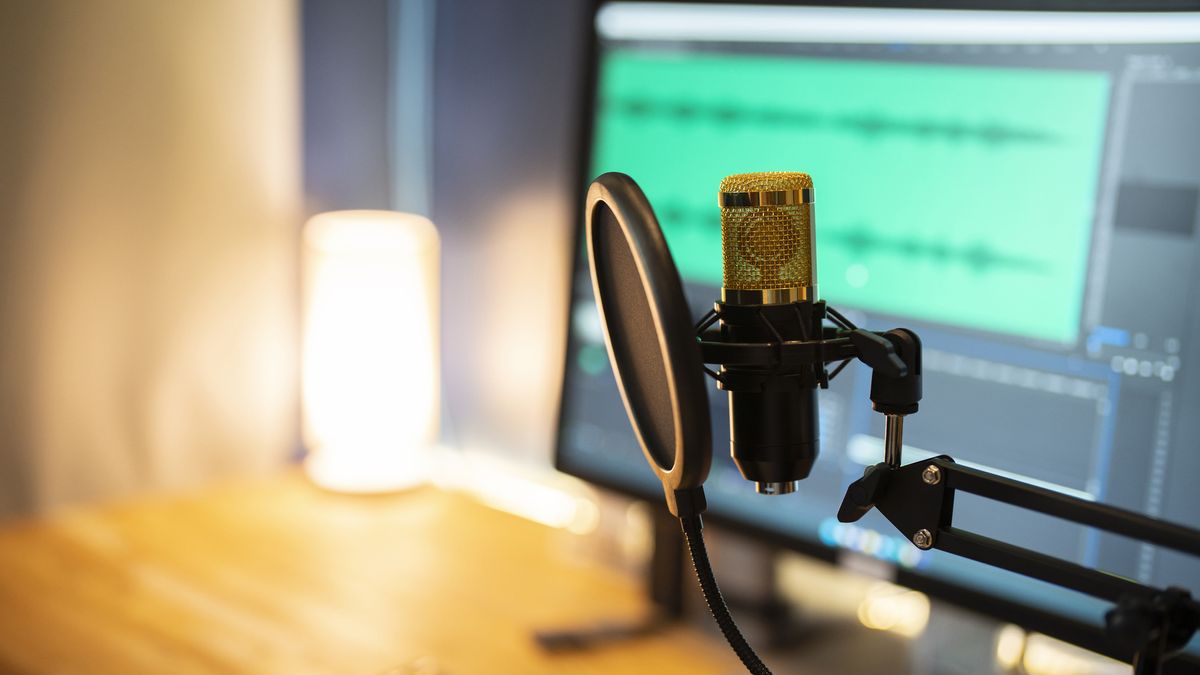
<point>279,577</point>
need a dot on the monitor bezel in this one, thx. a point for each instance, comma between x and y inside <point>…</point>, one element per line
<point>1053,624</point>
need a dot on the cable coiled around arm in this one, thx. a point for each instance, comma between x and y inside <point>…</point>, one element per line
<point>693,532</point>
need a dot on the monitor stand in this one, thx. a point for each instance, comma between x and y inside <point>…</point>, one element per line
<point>664,587</point>
<point>668,571</point>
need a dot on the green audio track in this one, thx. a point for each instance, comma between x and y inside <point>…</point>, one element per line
<point>956,194</point>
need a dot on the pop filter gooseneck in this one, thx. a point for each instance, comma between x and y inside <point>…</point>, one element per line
<point>656,359</point>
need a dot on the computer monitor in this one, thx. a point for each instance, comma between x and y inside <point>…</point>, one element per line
<point>1020,188</point>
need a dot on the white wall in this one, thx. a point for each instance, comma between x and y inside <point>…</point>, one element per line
<point>149,183</point>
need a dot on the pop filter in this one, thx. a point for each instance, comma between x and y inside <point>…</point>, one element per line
<point>650,338</point>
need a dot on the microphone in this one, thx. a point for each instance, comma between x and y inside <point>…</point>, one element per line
<point>771,346</point>
<point>768,295</point>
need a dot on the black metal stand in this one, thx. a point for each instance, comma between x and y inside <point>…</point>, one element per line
<point>1147,624</point>
<point>1150,624</point>
<point>665,574</point>
<point>664,587</point>
<point>664,582</point>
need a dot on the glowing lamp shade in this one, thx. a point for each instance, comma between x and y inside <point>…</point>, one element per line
<point>370,353</point>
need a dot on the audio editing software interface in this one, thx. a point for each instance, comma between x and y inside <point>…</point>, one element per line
<point>1028,202</point>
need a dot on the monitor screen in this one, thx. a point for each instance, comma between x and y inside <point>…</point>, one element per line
<point>1021,189</point>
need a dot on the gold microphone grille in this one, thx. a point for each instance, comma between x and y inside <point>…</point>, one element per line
<point>767,231</point>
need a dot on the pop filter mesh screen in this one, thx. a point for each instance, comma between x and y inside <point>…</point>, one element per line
<point>633,337</point>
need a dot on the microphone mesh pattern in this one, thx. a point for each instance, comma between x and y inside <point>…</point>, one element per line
<point>767,247</point>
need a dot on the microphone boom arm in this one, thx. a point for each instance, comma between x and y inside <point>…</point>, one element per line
<point>1149,623</point>
<point>918,499</point>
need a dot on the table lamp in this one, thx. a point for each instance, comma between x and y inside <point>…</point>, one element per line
<point>370,371</point>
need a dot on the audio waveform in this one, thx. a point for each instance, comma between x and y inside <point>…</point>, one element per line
<point>977,256</point>
<point>861,240</point>
<point>868,124</point>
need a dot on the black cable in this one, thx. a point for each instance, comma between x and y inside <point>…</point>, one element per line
<point>707,320</point>
<point>839,319</point>
<point>837,370</point>
<point>693,532</point>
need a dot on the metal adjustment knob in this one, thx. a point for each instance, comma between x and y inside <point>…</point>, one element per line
<point>923,539</point>
<point>932,475</point>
